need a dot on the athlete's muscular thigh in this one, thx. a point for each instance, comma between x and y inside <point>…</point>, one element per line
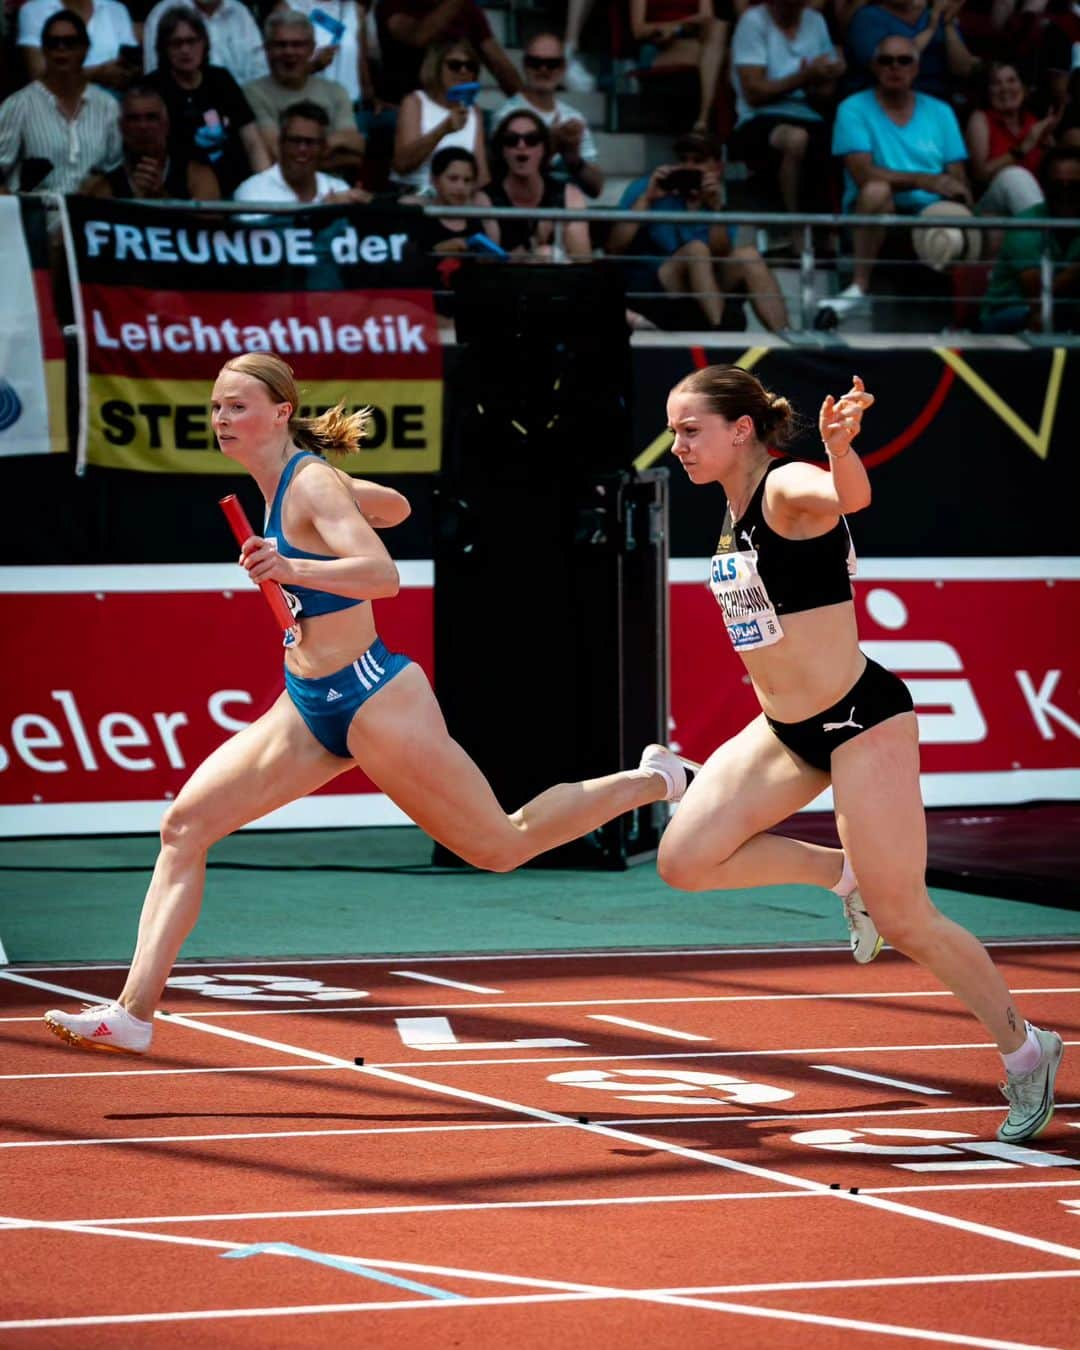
<point>272,762</point>
<point>747,785</point>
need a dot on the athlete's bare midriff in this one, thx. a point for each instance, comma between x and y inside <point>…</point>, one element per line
<point>329,641</point>
<point>814,664</point>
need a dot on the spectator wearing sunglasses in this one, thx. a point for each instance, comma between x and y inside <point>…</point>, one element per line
<point>432,118</point>
<point>521,159</point>
<point>61,128</point>
<point>574,148</point>
<point>903,153</point>
<point>407,28</point>
<point>303,142</point>
<point>111,58</point>
<point>933,29</point>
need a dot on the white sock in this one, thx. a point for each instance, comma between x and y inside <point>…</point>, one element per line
<point>847,882</point>
<point>1027,1057</point>
<point>128,1013</point>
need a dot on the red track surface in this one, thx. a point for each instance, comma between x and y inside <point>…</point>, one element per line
<point>705,1178</point>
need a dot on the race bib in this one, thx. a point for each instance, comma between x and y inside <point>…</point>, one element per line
<point>748,612</point>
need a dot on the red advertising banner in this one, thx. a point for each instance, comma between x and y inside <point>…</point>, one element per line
<point>128,677</point>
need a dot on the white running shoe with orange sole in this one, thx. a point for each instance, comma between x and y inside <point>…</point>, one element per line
<point>102,1026</point>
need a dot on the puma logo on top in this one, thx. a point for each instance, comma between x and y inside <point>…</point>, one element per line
<point>839,726</point>
<point>748,537</point>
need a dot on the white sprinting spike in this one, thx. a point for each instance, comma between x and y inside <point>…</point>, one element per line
<point>436,1033</point>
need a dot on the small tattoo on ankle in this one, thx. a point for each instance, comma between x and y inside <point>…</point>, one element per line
<point>1011,1017</point>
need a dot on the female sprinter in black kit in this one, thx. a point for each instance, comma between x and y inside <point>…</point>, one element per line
<point>347,699</point>
<point>781,577</point>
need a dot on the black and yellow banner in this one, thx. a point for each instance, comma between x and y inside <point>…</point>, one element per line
<point>169,295</point>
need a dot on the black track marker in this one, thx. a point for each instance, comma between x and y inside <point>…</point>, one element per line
<point>359,1060</point>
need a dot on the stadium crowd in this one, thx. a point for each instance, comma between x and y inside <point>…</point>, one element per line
<point>937,109</point>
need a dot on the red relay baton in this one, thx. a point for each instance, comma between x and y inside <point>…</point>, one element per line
<point>272,592</point>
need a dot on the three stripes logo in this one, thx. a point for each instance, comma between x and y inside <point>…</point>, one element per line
<point>368,671</point>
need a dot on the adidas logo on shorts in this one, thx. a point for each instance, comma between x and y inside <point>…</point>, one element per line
<point>332,695</point>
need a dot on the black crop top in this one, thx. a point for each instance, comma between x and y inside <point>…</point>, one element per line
<point>758,575</point>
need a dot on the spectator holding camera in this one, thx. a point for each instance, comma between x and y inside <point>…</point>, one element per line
<point>521,153</point>
<point>290,48</point>
<point>697,260</point>
<point>441,113</point>
<point>113,57</point>
<point>903,153</point>
<point>148,172</point>
<point>575,153</point>
<point>210,119</point>
<point>60,128</point>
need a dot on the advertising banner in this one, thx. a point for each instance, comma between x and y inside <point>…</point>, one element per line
<point>33,404</point>
<point>168,295</point>
<point>184,656</point>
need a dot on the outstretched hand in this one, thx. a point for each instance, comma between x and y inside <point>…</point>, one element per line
<point>840,419</point>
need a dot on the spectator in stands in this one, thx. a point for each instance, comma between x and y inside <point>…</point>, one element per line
<point>432,117</point>
<point>290,47</point>
<point>1042,37</point>
<point>1013,298</point>
<point>234,41</point>
<point>303,142</point>
<point>209,117</point>
<point>407,28</point>
<point>683,33</point>
<point>1006,143</point>
<point>59,128</point>
<point>697,260</point>
<point>902,153</point>
<point>575,157</point>
<point>113,59</point>
<point>784,68</point>
<point>521,152</point>
<point>932,28</point>
<point>577,79</point>
<point>341,46</point>
<point>453,184</point>
<point>147,169</point>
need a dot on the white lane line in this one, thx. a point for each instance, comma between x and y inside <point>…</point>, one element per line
<point>647,1026</point>
<point>487,1277</point>
<point>596,954</point>
<point>583,1202</point>
<point>879,1078</point>
<point>437,979</point>
<point>632,1137</point>
<point>630,1122</point>
<point>158,1073</point>
<point>755,1053</point>
<point>864,996</point>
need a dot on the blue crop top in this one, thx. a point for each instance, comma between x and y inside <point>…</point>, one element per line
<point>304,601</point>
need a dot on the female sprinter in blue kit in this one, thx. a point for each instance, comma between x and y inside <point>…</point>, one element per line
<point>347,700</point>
<point>828,714</point>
